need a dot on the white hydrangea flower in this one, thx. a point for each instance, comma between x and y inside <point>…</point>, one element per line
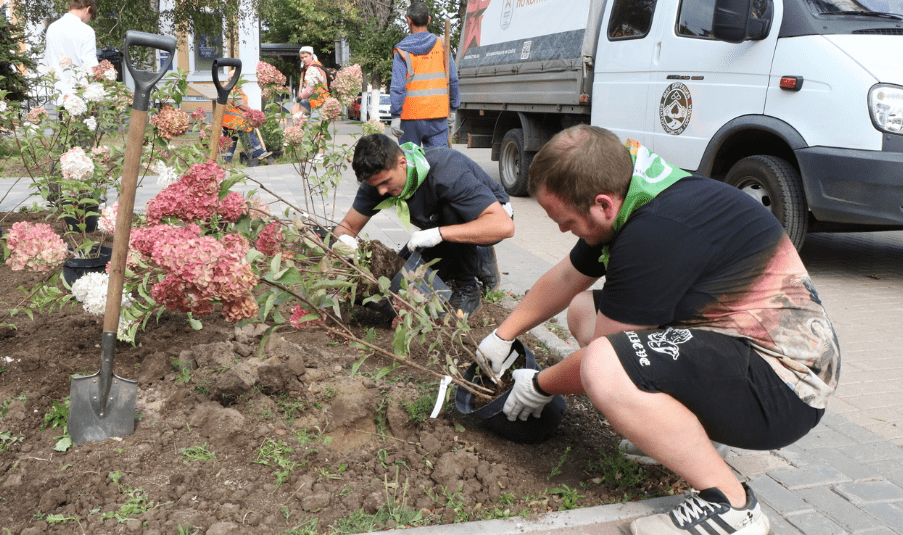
<point>95,93</point>
<point>76,165</point>
<point>74,105</point>
<point>165,175</point>
<point>91,123</point>
<point>2,106</point>
<point>91,290</point>
<point>110,75</point>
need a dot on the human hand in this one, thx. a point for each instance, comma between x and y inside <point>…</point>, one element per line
<point>345,246</point>
<point>395,127</point>
<point>424,239</point>
<point>524,400</point>
<point>493,352</point>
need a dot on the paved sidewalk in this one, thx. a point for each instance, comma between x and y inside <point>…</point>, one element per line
<point>846,476</point>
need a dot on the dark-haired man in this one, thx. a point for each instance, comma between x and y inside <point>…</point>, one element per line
<point>708,327</point>
<point>458,207</point>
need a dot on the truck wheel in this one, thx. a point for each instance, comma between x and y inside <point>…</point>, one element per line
<point>514,163</point>
<point>777,185</point>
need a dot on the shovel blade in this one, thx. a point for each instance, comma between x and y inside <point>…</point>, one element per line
<point>88,421</point>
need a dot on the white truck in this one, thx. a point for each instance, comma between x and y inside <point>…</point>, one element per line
<point>797,102</point>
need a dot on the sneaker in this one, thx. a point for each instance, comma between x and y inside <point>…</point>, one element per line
<point>489,275</point>
<point>632,452</point>
<point>465,298</point>
<point>708,512</point>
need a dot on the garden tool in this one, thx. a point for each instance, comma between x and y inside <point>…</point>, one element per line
<point>103,405</point>
<point>222,95</point>
<point>447,51</point>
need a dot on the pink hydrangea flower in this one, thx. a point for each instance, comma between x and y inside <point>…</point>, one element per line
<point>107,220</point>
<point>297,313</point>
<point>34,246</point>
<point>255,118</point>
<point>36,115</point>
<point>347,84</point>
<point>170,122</point>
<point>270,239</point>
<point>194,197</point>
<point>331,109</point>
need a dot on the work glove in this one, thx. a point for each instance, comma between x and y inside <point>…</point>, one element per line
<point>395,127</point>
<point>345,246</point>
<point>424,239</point>
<point>524,400</point>
<point>495,353</point>
<point>451,122</point>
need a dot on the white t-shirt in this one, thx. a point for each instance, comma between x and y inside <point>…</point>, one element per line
<point>70,37</point>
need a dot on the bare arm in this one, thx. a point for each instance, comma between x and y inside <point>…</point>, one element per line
<point>491,226</point>
<point>353,224</point>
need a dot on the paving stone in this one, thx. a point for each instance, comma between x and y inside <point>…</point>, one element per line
<point>891,470</point>
<point>815,523</point>
<point>779,525</point>
<point>891,514</point>
<point>839,509</point>
<point>823,437</point>
<point>757,463</point>
<point>796,456</point>
<point>875,451</point>
<point>870,492</point>
<point>853,469</point>
<point>780,499</point>
<point>855,432</point>
<point>810,476</point>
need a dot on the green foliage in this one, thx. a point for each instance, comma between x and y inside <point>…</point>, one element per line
<point>7,440</point>
<point>13,61</point>
<point>197,453</point>
<point>394,510</point>
<point>188,530</point>
<point>273,453</point>
<point>4,405</point>
<point>557,468</point>
<point>569,497</point>
<point>136,504</point>
<point>58,416</point>
<point>420,408</point>
<point>616,469</point>
<point>307,528</point>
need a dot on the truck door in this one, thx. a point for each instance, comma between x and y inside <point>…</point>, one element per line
<point>698,83</point>
<point>623,56</point>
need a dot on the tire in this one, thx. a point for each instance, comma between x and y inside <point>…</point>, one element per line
<point>514,163</point>
<point>777,185</point>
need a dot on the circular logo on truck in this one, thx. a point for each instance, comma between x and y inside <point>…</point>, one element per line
<point>675,109</point>
<point>507,13</point>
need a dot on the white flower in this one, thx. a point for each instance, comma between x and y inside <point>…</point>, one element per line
<point>95,93</point>
<point>91,290</point>
<point>91,123</point>
<point>74,105</point>
<point>165,175</point>
<point>107,221</point>
<point>2,106</point>
<point>110,75</point>
<point>76,165</point>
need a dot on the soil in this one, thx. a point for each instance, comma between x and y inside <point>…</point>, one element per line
<point>298,437</point>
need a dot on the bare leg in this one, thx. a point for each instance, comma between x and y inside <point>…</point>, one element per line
<point>657,423</point>
<point>582,318</point>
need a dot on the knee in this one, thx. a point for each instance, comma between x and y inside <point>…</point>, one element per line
<point>582,318</point>
<point>596,370</point>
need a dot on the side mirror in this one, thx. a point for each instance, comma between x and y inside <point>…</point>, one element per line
<point>735,21</point>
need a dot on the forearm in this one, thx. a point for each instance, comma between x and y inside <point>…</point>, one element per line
<point>564,377</point>
<point>352,224</point>
<point>492,226</point>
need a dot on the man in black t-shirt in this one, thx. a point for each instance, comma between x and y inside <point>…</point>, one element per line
<point>460,210</point>
<point>708,327</point>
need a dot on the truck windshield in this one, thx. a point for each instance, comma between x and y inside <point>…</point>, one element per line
<point>867,8</point>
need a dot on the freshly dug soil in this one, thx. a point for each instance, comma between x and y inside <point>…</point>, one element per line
<point>238,436</point>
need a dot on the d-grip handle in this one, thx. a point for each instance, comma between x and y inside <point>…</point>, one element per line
<point>145,80</point>
<point>222,91</point>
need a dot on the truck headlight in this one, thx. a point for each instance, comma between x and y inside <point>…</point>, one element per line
<point>886,107</point>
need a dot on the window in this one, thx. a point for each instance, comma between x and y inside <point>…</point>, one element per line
<point>209,43</point>
<point>630,19</point>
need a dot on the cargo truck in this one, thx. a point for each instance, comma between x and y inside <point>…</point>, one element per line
<point>797,102</point>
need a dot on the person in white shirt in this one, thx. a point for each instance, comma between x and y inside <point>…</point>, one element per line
<point>71,37</point>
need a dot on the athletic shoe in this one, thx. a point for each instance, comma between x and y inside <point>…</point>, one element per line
<point>708,512</point>
<point>489,275</point>
<point>632,452</point>
<point>465,298</point>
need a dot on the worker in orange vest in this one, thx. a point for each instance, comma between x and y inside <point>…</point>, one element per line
<point>235,125</point>
<point>419,94</point>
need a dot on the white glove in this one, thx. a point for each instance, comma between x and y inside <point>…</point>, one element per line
<point>424,239</point>
<point>495,352</point>
<point>395,128</point>
<point>345,245</point>
<point>524,400</point>
<point>451,122</point>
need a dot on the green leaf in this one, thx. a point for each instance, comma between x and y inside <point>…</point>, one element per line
<point>195,324</point>
<point>290,276</point>
<point>226,185</point>
<point>63,444</point>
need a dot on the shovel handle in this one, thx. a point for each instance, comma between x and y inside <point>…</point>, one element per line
<point>222,91</point>
<point>146,80</point>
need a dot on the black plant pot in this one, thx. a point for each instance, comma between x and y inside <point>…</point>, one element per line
<point>74,268</point>
<point>529,431</point>
<point>90,221</point>
<point>413,262</point>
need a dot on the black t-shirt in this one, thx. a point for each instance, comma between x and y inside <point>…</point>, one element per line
<point>705,255</point>
<point>456,190</point>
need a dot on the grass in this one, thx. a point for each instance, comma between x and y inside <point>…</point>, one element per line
<point>198,453</point>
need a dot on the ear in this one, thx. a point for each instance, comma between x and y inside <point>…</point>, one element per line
<point>609,204</point>
<point>402,160</point>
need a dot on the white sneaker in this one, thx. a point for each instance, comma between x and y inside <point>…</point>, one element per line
<point>708,512</point>
<point>632,452</point>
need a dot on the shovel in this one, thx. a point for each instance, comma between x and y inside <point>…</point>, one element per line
<point>222,95</point>
<point>103,405</point>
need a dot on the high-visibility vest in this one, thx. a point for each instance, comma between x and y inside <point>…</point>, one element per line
<point>426,91</point>
<point>320,93</point>
<point>233,118</point>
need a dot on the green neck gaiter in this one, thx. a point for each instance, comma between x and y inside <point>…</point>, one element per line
<point>418,168</point>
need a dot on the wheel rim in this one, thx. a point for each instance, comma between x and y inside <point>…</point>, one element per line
<point>511,167</point>
<point>757,191</point>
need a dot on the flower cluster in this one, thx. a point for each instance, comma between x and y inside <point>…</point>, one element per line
<point>170,122</point>
<point>76,165</point>
<point>199,270</point>
<point>91,123</point>
<point>293,136</point>
<point>107,220</point>
<point>165,175</point>
<point>331,109</point>
<point>198,115</point>
<point>95,93</point>
<point>104,71</point>
<point>373,126</point>
<point>224,143</point>
<point>195,197</point>
<point>34,246</point>
<point>74,105</point>
<point>255,118</point>
<point>298,313</point>
<point>36,115</point>
<point>270,79</point>
<point>258,208</point>
<point>270,239</point>
<point>347,84</point>
<point>91,291</point>
<point>102,153</point>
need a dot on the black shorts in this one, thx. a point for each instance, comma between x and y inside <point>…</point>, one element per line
<point>737,396</point>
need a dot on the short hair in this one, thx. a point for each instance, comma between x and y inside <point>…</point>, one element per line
<point>418,13</point>
<point>374,154</point>
<point>81,4</point>
<point>581,162</point>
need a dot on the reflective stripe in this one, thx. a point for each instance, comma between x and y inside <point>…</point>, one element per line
<point>427,76</point>
<point>428,92</point>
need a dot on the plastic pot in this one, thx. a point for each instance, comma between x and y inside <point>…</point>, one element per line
<point>74,268</point>
<point>529,431</point>
<point>414,261</point>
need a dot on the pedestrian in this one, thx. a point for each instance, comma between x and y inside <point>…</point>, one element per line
<point>457,206</point>
<point>708,327</point>
<point>71,37</point>
<point>236,125</point>
<point>312,91</point>
<point>419,93</point>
